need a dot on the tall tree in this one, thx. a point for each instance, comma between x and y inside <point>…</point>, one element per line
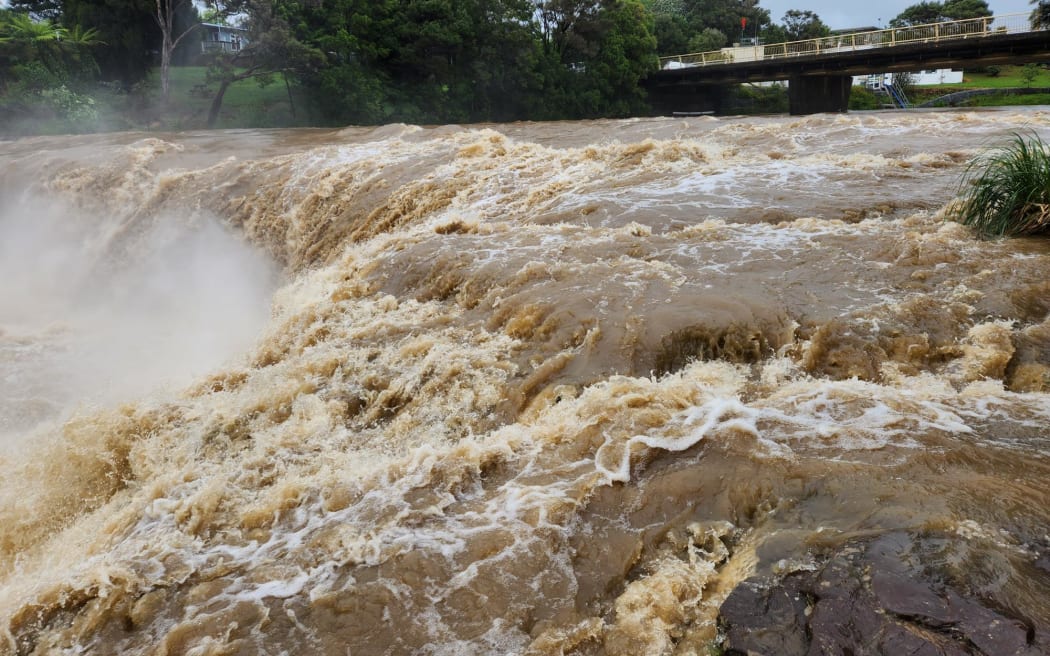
<point>937,12</point>
<point>165,13</point>
<point>272,47</point>
<point>625,53</point>
<point>572,28</point>
<point>918,14</point>
<point>128,29</point>
<point>801,25</point>
<point>65,53</point>
<point>358,37</point>
<point>706,40</point>
<point>1040,16</point>
<point>725,16</point>
<point>963,9</point>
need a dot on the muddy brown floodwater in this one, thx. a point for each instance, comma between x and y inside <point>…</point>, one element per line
<point>654,386</point>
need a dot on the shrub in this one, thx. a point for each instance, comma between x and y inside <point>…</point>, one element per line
<point>1028,74</point>
<point>751,99</point>
<point>861,98</point>
<point>1007,192</point>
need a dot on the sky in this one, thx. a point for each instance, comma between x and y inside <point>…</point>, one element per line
<point>840,14</point>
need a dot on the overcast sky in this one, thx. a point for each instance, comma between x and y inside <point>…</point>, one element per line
<point>840,14</point>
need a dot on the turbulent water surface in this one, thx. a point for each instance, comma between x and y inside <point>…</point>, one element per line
<point>530,388</point>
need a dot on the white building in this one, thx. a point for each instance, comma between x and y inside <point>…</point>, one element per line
<point>939,76</point>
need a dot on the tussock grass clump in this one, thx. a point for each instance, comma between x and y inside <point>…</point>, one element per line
<point>1006,193</point>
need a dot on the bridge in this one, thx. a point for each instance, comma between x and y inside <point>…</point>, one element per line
<point>820,71</point>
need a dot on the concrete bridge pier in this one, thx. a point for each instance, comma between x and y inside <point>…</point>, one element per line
<point>817,94</point>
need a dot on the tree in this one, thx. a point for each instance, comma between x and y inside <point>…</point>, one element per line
<point>963,9</point>
<point>128,29</point>
<point>801,25</point>
<point>672,34</point>
<point>625,53</point>
<point>165,14</point>
<point>1040,17</point>
<point>42,68</point>
<point>937,12</point>
<point>725,16</point>
<point>571,28</point>
<point>706,41</point>
<point>665,7</point>
<point>918,14</point>
<point>63,52</point>
<point>271,48</point>
<point>1028,74</point>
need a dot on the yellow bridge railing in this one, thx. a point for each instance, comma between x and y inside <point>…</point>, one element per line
<point>931,33</point>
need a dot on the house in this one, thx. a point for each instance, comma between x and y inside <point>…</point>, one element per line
<point>918,78</point>
<point>217,38</point>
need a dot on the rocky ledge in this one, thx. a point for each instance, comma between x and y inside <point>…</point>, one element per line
<point>898,594</point>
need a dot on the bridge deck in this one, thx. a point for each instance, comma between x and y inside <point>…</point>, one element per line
<point>1006,38</point>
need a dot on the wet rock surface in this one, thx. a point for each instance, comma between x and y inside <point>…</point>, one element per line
<point>892,595</point>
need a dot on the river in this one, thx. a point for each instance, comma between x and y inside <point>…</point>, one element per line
<point>653,386</point>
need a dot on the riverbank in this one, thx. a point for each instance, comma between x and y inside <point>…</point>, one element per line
<point>281,103</point>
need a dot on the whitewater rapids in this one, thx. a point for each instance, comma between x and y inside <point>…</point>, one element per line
<point>505,389</point>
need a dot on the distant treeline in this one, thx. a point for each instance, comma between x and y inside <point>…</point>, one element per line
<point>377,61</point>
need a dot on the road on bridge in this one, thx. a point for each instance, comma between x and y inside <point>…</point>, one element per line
<point>820,71</point>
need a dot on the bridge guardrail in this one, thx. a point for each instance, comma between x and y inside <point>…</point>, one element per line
<point>929,33</point>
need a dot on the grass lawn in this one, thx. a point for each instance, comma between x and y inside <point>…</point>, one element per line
<point>1008,77</point>
<point>245,105</point>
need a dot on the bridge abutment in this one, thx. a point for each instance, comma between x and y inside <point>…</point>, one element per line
<point>816,94</point>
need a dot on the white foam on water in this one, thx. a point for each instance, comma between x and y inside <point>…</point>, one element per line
<point>717,414</point>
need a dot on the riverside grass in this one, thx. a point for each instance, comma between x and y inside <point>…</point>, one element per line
<point>1006,193</point>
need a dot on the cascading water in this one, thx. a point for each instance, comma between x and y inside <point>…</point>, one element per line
<point>596,388</point>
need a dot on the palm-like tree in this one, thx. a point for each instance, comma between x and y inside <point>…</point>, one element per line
<point>60,50</point>
<point>1040,16</point>
<point>20,28</point>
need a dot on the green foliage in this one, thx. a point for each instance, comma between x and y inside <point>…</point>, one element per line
<point>364,61</point>
<point>905,82</point>
<point>1007,191</point>
<point>42,67</point>
<point>672,34</point>
<point>992,71</point>
<point>725,15</point>
<point>427,61</point>
<point>38,99</point>
<point>706,41</point>
<point>1040,16</point>
<point>69,105</point>
<point>665,7</point>
<point>1028,74</point>
<point>1001,100</point>
<point>863,99</point>
<point>801,25</point>
<point>625,53</point>
<point>680,24</point>
<point>751,99</point>
<point>273,46</point>
<point>963,9</point>
<point>939,12</point>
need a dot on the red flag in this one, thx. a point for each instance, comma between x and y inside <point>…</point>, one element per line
<point>743,22</point>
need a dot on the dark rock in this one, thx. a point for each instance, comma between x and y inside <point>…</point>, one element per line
<point>783,626</point>
<point>883,596</point>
